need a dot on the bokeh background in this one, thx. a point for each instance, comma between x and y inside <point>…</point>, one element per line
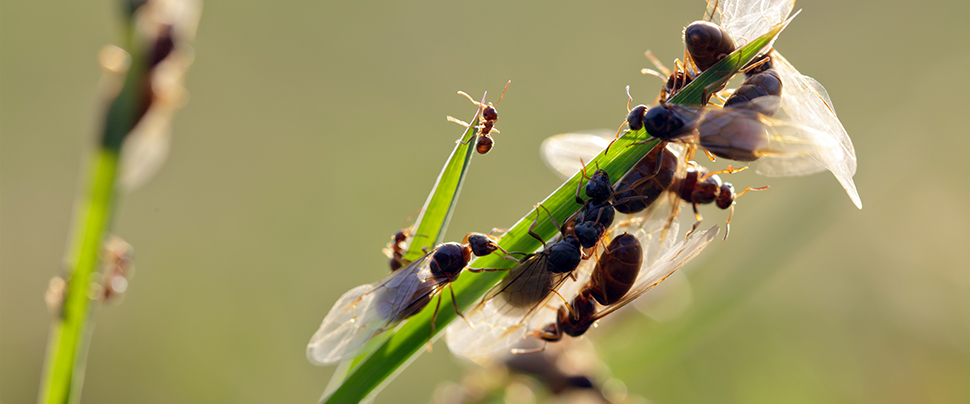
<point>315,128</point>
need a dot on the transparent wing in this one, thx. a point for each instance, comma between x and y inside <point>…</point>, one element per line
<point>503,316</point>
<point>804,99</point>
<point>510,311</point>
<point>563,152</point>
<point>655,272</point>
<point>368,310</point>
<point>746,20</point>
<point>655,230</point>
<point>805,102</point>
<point>801,139</point>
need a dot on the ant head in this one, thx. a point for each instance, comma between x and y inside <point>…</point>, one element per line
<point>726,196</point>
<point>480,244</point>
<point>489,113</point>
<point>635,118</point>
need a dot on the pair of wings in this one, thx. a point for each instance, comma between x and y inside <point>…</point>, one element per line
<point>496,324</point>
<point>804,100</point>
<point>368,310</point>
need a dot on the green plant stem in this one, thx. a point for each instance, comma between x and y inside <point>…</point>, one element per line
<point>64,369</point>
<point>71,330</point>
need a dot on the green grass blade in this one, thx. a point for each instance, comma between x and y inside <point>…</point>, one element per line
<point>380,367</point>
<point>433,220</point>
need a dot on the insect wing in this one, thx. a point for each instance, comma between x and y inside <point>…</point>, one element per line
<point>502,317</point>
<point>804,100</point>
<point>368,310</point>
<point>563,153</point>
<point>806,103</point>
<point>655,231</point>
<point>523,302</point>
<point>746,20</point>
<point>655,272</point>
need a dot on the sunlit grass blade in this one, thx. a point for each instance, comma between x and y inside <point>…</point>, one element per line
<point>433,220</point>
<point>378,369</point>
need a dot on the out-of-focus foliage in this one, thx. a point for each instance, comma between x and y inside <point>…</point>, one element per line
<point>266,211</point>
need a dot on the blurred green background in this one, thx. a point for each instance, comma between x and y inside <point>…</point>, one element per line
<point>269,208</point>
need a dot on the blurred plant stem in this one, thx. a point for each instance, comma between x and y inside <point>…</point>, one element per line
<point>71,330</point>
<point>66,350</point>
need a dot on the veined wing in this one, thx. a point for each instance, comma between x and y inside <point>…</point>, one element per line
<point>654,272</point>
<point>514,307</point>
<point>371,309</point>
<point>784,146</point>
<point>804,139</point>
<point>746,20</point>
<point>804,100</point>
<point>806,103</point>
<point>562,153</point>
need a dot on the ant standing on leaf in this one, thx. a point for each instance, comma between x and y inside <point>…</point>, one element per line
<point>487,117</point>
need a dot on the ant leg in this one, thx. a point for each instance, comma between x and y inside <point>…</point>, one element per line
<point>533,225</point>
<point>751,189</point>
<point>727,225</point>
<point>619,131</point>
<point>478,104</point>
<point>518,351</point>
<point>491,233</point>
<point>710,155</point>
<point>758,63</point>
<point>454,303</point>
<point>466,125</point>
<point>728,170</point>
<point>550,216</point>
<point>458,121</point>
<point>579,186</point>
<point>567,305</point>
<point>480,270</point>
<point>434,318</point>
<point>699,218</point>
<point>654,73</point>
<point>656,63</point>
<point>712,88</point>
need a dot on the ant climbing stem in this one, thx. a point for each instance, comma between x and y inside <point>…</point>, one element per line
<point>487,115</point>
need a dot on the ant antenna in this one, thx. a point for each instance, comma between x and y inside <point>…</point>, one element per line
<point>503,93</point>
<point>629,99</point>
